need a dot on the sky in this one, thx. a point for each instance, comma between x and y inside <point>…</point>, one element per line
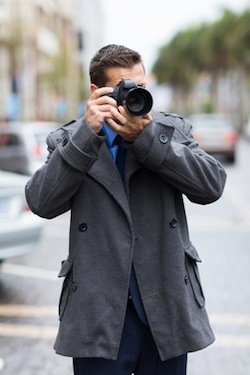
<point>146,25</point>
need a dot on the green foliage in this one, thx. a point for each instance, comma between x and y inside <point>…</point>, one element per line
<point>212,47</point>
<point>207,106</point>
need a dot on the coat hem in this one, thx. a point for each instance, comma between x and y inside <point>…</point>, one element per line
<point>184,350</point>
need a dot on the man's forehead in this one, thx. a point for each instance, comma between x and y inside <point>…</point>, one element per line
<point>116,74</point>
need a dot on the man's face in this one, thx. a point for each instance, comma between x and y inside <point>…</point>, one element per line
<point>116,74</point>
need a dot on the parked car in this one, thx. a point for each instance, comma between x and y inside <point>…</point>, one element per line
<point>215,134</point>
<point>23,145</point>
<point>20,229</point>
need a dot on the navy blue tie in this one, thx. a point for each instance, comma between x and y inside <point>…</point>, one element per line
<point>133,286</point>
<point>121,154</point>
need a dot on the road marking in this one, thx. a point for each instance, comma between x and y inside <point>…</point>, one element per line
<point>230,319</point>
<point>24,271</point>
<point>28,311</point>
<point>50,332</point>
<point>28,331</point>
<point>232,341</point>
<point>13,310</point>
<point>1,364</point>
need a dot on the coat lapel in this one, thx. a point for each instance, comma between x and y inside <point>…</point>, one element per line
<point>106,173</point>
<point>131,166</point>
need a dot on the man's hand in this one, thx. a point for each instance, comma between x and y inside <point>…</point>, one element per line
<point>127,125</point>
<point>99,108</point>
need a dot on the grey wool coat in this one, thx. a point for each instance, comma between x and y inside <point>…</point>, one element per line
<point>114,224</point>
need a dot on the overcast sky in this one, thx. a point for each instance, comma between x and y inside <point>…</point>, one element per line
<point>145,25</point>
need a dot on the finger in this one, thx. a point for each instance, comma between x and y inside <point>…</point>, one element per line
<point>114,125</point>
<point>103,100</point>
<point>128,116</point>
<point>101,91</point>
<point>148,117</point>
<point>119,117</point>
<point>106,108</point>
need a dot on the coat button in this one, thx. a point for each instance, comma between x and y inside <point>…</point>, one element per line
<point>83,227</point>
<point>73,287</point>
<point>186,279</point>
<point>173,223</point>
<point>163,138</point>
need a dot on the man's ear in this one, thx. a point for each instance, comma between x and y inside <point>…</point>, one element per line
<point>93,87</point>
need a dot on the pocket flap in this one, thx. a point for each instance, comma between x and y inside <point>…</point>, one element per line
<point>65,267</point>
<point>191,251</point>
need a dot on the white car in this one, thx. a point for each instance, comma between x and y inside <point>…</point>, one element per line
<point>23,146</point>
<point>215,134</point>
<point>20,229</point>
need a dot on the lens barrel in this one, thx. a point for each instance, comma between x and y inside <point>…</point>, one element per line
<point>136,98</point>
<point>139,101</point>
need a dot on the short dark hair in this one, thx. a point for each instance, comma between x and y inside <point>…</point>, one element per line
<point>111,55</point>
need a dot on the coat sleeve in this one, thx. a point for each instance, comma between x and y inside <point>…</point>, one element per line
<point>71,153</point>
<point>167,147</point>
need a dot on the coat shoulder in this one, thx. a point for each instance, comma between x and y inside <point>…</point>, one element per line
<point>58,134</point>
<point>179,123</point>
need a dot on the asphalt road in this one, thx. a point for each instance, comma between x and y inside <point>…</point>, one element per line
<point>29,288</point>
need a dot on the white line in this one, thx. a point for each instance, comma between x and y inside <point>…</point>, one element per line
<point>37,273</point>
<point>13,310</point>
<point>1,364</point>
<point>49,332</point>
<point>208,223</point>
<point>29,331</point>
<point>232,341</point>
<point>230,319</point>
<point>28,311</point>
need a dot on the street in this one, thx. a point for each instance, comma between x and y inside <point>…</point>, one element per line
<point>30,289</point>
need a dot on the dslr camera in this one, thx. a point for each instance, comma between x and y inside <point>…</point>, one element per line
<point>136,98</point>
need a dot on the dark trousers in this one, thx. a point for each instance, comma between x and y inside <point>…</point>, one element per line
<point>137,354</point>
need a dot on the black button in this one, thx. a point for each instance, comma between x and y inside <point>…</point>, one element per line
<point>65,141</point>
<point>73,287</point>
<point>163,138</point>
<point>83,227</point>
<point>186,279</point>
<point>173,223</point>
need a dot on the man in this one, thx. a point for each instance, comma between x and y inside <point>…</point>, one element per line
<point>131,301</point>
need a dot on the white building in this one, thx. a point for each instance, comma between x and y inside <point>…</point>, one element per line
<point>89,22</point>
<point>45,46</point>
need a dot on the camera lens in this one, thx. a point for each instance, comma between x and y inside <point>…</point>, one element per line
<point>139,101</point>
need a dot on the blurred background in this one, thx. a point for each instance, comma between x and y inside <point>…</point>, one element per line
<point>197,57</point>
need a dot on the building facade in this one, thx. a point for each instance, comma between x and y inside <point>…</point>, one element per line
<point>42,65</point>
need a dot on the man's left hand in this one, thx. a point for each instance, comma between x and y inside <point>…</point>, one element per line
<point>127,125</point>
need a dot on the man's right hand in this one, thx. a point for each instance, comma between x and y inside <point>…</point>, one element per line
<point>99,107</point>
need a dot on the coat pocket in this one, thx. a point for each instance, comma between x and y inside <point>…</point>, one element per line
<point>66,272</point>
<point>191,259</point>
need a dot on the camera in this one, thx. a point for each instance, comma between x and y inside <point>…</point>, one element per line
<point>136,98</point>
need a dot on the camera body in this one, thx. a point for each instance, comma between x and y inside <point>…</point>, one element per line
<point>136,98</point>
